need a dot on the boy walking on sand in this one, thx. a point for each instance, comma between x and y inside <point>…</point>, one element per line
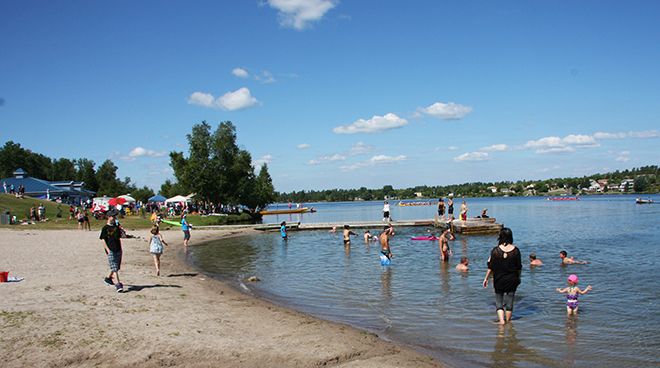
<point>111,236</point>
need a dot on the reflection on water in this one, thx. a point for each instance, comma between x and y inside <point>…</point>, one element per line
<point>427,303</point>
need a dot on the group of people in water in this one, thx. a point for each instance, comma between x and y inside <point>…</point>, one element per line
<point>504,266</point>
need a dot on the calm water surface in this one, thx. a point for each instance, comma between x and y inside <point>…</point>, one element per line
<point>422,302</point>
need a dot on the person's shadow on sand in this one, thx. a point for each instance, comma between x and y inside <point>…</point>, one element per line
<point>190,274</point>
<point>130,288</point>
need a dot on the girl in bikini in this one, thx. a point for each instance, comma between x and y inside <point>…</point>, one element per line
<point>572,292</point>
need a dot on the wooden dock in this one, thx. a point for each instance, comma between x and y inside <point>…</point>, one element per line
<point>353,225</point>
<point>477,226</point>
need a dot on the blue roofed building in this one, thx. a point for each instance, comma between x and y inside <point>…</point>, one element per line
<point>73,192</point>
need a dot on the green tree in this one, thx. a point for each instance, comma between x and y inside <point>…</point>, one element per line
<point>641,184</point>
<point>142,194</point>
<point>264,192</point>
<point>63,169</point>
<point>85,172</point>
<point>109,184</point>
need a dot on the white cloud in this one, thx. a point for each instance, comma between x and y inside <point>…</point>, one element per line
<point>329,158</point>
<point>303,145</point>
<point>624,156</point>
<point>472,156</point>
<point>240,72</point>
<point>555,144</point>
<point>373,161</point>
<point>265,159</point>
<point>495,148</point>
<point>452,148</point>
<point>142,152</point>
<point>201,99</point>
<point>239,99</point>
<point>446,111</point>
<point>298,13</point>
<point>373,125</point>
<point>631,134</point>
<point>265,77</point>
<point>230,101</point>
<point>360,148</point>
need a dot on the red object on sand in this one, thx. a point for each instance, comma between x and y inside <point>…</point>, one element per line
<point>116,201</point>
<point>3,276</point>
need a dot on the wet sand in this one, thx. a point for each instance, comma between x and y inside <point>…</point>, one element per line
<point>63,315</point>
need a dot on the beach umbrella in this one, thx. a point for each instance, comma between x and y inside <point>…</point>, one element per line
<point>116,201</point>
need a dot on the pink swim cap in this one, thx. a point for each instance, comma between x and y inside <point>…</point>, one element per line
<point>573,279</point>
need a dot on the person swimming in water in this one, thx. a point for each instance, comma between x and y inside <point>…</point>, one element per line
<point>566,260</point>
<point>347,235</point>
<point>443,244</point>
<point>572,292</point>
<point>463,266</point>
<point>533,261</point>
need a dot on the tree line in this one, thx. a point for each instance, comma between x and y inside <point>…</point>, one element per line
<point>646,180</point>
<point>102,179</point>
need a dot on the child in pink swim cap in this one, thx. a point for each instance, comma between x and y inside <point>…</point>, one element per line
<point>572,292</point>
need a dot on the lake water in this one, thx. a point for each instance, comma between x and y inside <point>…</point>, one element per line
<point>424,303</point>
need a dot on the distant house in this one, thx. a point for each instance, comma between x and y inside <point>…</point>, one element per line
<point>68,191</point>
<point>593,186</point>
<point>493,189</point>
<point>626,184</point>
<point>418,194</point>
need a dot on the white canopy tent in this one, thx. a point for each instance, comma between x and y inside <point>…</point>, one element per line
<point>176,199</point>
<point>128,198</point>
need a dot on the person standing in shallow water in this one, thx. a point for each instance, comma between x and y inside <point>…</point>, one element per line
<point>504,264</point>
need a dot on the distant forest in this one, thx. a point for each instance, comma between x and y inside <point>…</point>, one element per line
<point>645,180</point>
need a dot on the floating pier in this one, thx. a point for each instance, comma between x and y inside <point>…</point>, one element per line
<point>476,226</point>
<point>353,225</point>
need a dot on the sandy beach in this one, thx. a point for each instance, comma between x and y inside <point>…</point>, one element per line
<point>63,315</point>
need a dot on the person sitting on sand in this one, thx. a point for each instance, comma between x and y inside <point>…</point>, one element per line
<point>463,266</point>
<point>572,292</point>
<point>533,261</point>
<point>347,235</point>
<point>566,260</point>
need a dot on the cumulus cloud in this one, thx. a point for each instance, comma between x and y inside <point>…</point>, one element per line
<point>298,14</point>
<point>240,72</point>
<point>373,161</point>
<point>303,145</point>
<point>230,101</point>
<point>495,148</point>
<point>265,77</point>
<point>374,125</point>
<point>142,152</point>
<point>624,156</point>
<point>472,156</point>
<point>446,111</point>
<point>265,159</point>
<point>555,144</point>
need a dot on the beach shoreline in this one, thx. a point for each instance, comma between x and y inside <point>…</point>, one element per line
<point>62,315</point>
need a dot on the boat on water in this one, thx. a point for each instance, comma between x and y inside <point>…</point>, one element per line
<point>418,203</point>
<point>643,201</point>
<point>288,211</point>
<point>563,198</point>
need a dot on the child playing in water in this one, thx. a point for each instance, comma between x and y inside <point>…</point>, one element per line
<point>572,292</point>
<point>566,260</point>
<point>463,266</point>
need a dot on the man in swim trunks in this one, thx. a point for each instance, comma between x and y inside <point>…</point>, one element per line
<point>443,244</point>
<point>566,260</point>
<point>384,238</point>
<point>450,209</point>
<point>441,209</point>
<point>386,212</point>
<point>347,235</point>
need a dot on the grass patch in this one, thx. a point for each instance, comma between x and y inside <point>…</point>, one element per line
<point>20,207</point>
<point>54,340</point>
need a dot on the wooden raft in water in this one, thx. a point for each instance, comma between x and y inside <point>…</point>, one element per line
<point>477,226</point>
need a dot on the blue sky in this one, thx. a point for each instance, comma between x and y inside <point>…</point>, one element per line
<point>339,94</point>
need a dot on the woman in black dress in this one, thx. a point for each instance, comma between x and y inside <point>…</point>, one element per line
<point>505,265</point>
